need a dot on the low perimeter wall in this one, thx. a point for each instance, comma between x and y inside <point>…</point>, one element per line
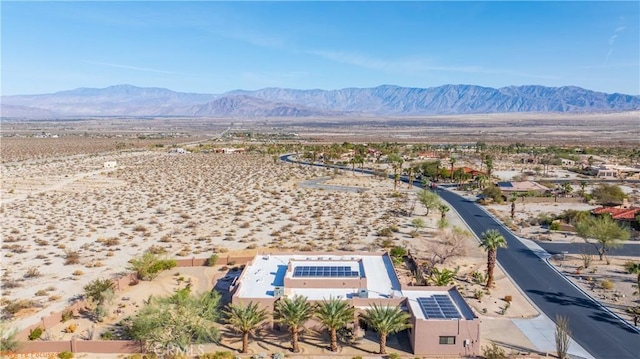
<point>100,346</point>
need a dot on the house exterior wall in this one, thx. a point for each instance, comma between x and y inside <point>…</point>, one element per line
<point>425,337</point>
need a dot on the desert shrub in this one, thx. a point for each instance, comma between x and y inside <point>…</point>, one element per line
<point>494,193</point>
<point>508,298</point>
<point>65,355</point>
<point>67,315</point>
<point>71,257</point>
<point>398,252</point>
<point>478,294</point>
<point>71,328</point>
<point>149,265</point>
<point>41,293</point>
<point>13,307</point>
<point>212,260</point>
<point>385,232</point>
<point>107,336</point>
<point>493,352</point>
<point>36,333</point>
<point>554,226</point>
<point>156,249</point>
<point>32,272</point>
<point>607,284</point>
<point>217,355</point>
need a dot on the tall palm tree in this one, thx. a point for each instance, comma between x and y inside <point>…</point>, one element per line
<point>334,314</point>
<point>386,320</point>
<point>452,161</point>
<point>396,163</point>
<point>634,268</point>
<point>491,240</point>
<point>293,312</point>
<point>245,320</point>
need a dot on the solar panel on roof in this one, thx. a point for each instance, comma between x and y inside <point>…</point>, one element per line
<point>325,271</point>
<point>438,306</point>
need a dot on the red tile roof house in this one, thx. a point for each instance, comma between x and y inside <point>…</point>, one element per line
<point>623,213</point>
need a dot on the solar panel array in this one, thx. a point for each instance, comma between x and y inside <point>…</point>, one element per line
<point>325,271</point>
<point>438,306</point>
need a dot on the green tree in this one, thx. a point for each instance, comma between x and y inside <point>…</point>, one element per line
<point>634,268</point>
<point>490,241</point>
<point>386,320</point>
<point>177,321</point>
<point>488,161</point>
<point>443,208</point>
<point>452,161</point>
<point>293,312</point>
<point>334,314</point>
<point>417,223</point>
<point>494,193</point>
<point>429,200</point>
<point>606,232</point>
<point>245,319</point>
<point>608,194</point>
<point>99,292</point>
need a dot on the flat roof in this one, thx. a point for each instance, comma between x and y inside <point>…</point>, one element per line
<point>437,311</point>
<point>268,271</point>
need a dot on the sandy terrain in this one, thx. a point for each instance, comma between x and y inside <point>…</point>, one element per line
<point>191,205</point>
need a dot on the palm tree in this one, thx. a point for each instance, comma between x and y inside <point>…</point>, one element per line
<point>634,268</point>
<point>452,161</point>
<point>513,200</point>
<point>491,240</point>
<point>293,312</point>
<point>245,320</point>
<point>396,163</point>
<point>334,314</point>
<point>386,320</point>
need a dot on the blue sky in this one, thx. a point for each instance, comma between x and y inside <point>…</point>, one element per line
<point>214,47</point>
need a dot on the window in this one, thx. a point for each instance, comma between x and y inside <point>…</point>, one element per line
<point>447,340</point>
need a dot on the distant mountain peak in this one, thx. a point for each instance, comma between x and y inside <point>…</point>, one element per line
<point>386,99</point>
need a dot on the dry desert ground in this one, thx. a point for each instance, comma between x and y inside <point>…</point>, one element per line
<point>67,221</point>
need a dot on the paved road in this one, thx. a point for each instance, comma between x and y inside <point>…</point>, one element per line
<point>631,250</point>
<point>599,332</point>
<point>594,328</point>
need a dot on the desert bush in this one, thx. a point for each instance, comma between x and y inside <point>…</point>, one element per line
<point>385,232</point>
<point>212,260</point>
<point>149,265</point>
<point>393,356</point>
<point>217,355</point>
<point>107,336</point>
<point>607,284</point>
<point>36,333</point>
<point>508,298</point>
<point>65,355</point>
<point>493,352</point>
<point>554,226</point>
<point>13,307</point>
<point>71,257</point>
<point>71,328</point>
<point>67,315</point>
<point>41,293</point>
<point>478,294</point>
<point>32,272</point>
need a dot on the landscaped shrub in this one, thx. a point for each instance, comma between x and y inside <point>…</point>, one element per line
<point>36,333</point>
<point>211,261</point>
<point>554,226</point>
<point>65,355</point>
<point>607,284</point>
<point>217,355</point>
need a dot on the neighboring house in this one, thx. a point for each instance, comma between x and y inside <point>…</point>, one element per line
<point>566,162</point>
<point>442,322</point>
<point>229,150</point>
<point>623,213</point>
<point>178,150</point>
<point>617,172</point>
<point>522,187</point>
<point>110,164</point>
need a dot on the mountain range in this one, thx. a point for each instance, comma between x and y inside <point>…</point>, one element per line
<point>385,100</point>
